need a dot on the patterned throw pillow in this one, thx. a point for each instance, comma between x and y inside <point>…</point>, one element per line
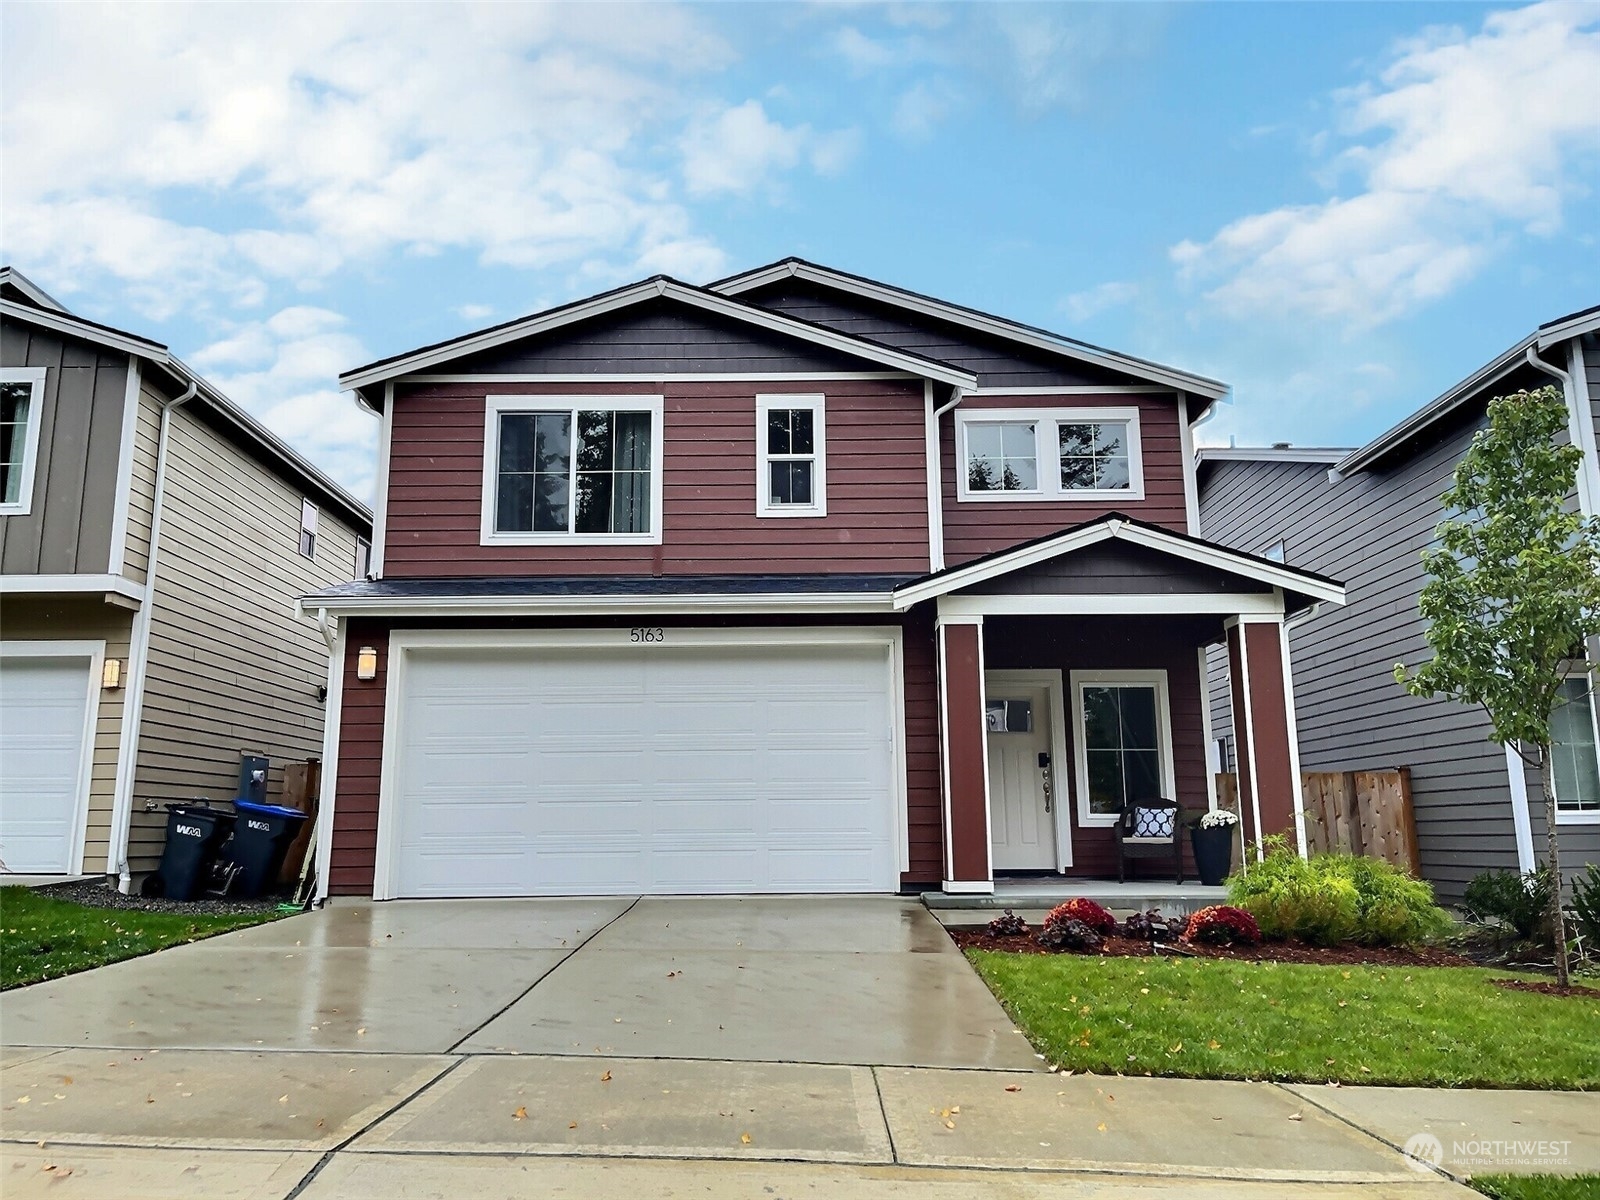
<point>1154,822</point>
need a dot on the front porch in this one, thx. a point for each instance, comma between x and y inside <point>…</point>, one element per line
<point>1072,683</point>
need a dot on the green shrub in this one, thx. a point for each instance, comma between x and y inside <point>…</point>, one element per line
<point>1332,898</point>
<point>1520,901</point>
<point>1586,906</point>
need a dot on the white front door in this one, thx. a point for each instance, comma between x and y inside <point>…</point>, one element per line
<point>1022,827</point>
<point>45,704</point>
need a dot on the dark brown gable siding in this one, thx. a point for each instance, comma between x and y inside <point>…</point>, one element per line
<point>877,515</point>
<point>1116,567</point>
<point>975,528</point>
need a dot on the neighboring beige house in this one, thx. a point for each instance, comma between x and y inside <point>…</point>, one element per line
<point>153,539</point>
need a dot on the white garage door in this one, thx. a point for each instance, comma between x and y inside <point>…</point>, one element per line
<point>663,769</point>
<point>44,722</point>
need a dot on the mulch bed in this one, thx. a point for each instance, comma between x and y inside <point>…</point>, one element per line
<point>1547,989</point>
<point>98,894</point>
<point>1284,952</point>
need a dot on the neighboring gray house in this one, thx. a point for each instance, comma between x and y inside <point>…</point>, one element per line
<point>153,538</point>
<point>1365,516</point>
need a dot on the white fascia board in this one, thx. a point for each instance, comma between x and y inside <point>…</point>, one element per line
<point>1078,539</point>
<point>995,326</point>
<point>579,606</point>
<point>38,585</point>
<point>1263,605</point>
<point>626,297</point>
<point>64,323</point>
<point>1571,328</point>
<point>30,289</point>
<point>1291,454</point>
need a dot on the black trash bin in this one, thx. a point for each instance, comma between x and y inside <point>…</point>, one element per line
<point>261,838</point>
<point>194,834</point>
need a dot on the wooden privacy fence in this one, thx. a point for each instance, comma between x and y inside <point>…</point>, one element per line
<point>1357,812</point>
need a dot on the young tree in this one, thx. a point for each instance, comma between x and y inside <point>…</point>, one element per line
<point>1514,590</point>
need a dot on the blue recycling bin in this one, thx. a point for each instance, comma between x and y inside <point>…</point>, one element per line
<point>261,838</point>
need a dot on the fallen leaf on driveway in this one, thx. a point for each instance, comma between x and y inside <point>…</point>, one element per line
<point>284,1099</point>
<point>745,1138</point>
<point>1296,1116</point>
<point>572,1124</point>
<point>521,1114</point>
<point>1013,1087</point>
<point>606,1078</point>
<point>1101,1127</point>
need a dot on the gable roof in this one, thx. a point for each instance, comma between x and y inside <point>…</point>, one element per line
<point>971,318</point>
<point>1550,333</point>
<point>1326,456</point>
<point>262,443</point>
<point>1313,587</point>
<point>656,287</point>
<point>13,284</point>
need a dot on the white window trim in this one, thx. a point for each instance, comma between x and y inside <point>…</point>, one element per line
<point>495,406</point>
<point>34,377</point>
<point>1148,678</point>
<point>1581,816</point>
<point>1047,452</point>
<point>309,513</point>
<point>816,403</point>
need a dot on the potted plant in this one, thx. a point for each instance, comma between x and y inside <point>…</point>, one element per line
<point>1212,837</point>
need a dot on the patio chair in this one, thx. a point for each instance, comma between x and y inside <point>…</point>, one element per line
<point>1149,829</point>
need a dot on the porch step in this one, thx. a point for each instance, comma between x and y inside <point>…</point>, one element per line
<point>1031,899</point>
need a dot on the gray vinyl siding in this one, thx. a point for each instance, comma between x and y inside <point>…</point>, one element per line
<point>142,484</point>
<point>994,362</point>
<point>659,337</point>
<point>1591,368</point>
<point>1369,530</point>
<point>67,529</point>
<point>231,667</point>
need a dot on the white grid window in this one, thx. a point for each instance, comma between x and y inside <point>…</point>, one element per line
<point>21,398</point>
<point>791,456</point>
<point>1049,454</point>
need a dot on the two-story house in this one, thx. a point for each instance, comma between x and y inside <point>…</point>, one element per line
<point>153,540</point>
<point>796,583</point>
<point>1366,515</point>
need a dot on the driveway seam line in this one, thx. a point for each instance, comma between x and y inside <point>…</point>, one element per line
<point>327,1156</point>
<point>455,1047</point>
<point>883,1111</point>
<point>1364,1131</point>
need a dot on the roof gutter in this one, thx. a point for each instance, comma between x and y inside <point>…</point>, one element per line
<point>1587,501</point>
<point>139,655</point>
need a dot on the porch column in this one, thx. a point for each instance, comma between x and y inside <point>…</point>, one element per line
<point>965,771</point>
<point>1268,750</point>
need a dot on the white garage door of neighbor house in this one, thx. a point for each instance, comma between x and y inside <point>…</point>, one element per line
<point>44,706</point>
<point>701,769</point>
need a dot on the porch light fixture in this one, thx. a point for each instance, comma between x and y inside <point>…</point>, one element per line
<point>111,674</point>
<point>367,663</point>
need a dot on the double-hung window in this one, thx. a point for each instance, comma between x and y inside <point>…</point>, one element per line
<point>308,529</point>
<point>1574,757</point>
<point>1122,739</point>
<point>579,470</point>
<point>791,457</point>
<point>21,397</point>
<point>1049,454</point>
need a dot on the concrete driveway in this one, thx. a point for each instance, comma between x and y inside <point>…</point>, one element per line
<point>865,981</point>
<point>627,1048</point>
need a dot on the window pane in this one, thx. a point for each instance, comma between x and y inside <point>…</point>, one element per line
<point>1108,439</point>
<point>1021,475</point>
<point>1100,718</point>
<point>1009,716</point>
<point>778,431</point>
<point>593,504</point>
<point>550,500</point>
<point>801,435</point>
<point>1111,473</point>
<point>983,441</point>
<point>516,442</point>
<point>1105,781</point>
<point>1142,771</point>
<point>1076,441</point>
<point>552,444</point>
<point>1077,474</point>
<point>983,475</point>
<point>1016,441</point>
<point>630,502</point>
<point>514,510</point>
<point>633,441</point>
<point>1573,754</point>
<point>1138,707</point>
<point>791,482</point>
<point>596,451</point>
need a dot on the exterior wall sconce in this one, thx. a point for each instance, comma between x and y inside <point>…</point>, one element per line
<point>367,663</point>
<point>111,674</point>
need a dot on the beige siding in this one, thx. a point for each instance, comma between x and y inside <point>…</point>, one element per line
<point>142,495</point>
<point>56,618</point>
<point>231,668</point>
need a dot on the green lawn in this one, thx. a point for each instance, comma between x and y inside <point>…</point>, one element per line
<point>1539,1187</point>
<point>43,938</point>
<point>1215,1019</point>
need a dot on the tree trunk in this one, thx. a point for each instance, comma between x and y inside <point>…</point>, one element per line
<point>1558,924</point>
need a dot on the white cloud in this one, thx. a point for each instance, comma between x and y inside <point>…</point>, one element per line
<point>740,148</point>
<point>1473,138</point>
<point>474,312</point>
<point>922,108</point>
<point>1080,306</point>
<point>862,52</point>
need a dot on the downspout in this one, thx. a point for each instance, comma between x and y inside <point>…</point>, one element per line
<point>122,808</point>
<point>1569,394</point>
<point>935,472</point>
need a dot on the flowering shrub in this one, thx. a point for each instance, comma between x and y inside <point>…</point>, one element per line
<point>1009,925</point>
<point>1223,925</point>
<point>1067,933</point>
<point>1220,818</point>
<point>1151,926</point>
<point>1087,911</point>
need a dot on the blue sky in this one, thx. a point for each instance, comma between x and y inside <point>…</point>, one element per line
<point>1340,209</point>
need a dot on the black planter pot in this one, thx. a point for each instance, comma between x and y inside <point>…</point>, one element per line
<point>1213,852</point>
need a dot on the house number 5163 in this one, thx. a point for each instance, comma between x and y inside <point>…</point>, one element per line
<point>646,634</point>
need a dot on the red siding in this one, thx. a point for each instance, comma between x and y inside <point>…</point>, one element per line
<point>876,486</point>
<point>1275,780</point>
<point>976,528</point>
<point>1118,643</point>
<point>355,824</point>
<point>969,822</point>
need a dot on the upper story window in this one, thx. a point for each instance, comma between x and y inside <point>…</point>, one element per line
<point>1575,761</point>
<point>363,558</point>
<point>1278,551</point>
<point>791,457</point>
<point>308,529</point>
<point>21,396</point>
<point>1049,454</point>
<point>577,470</point>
